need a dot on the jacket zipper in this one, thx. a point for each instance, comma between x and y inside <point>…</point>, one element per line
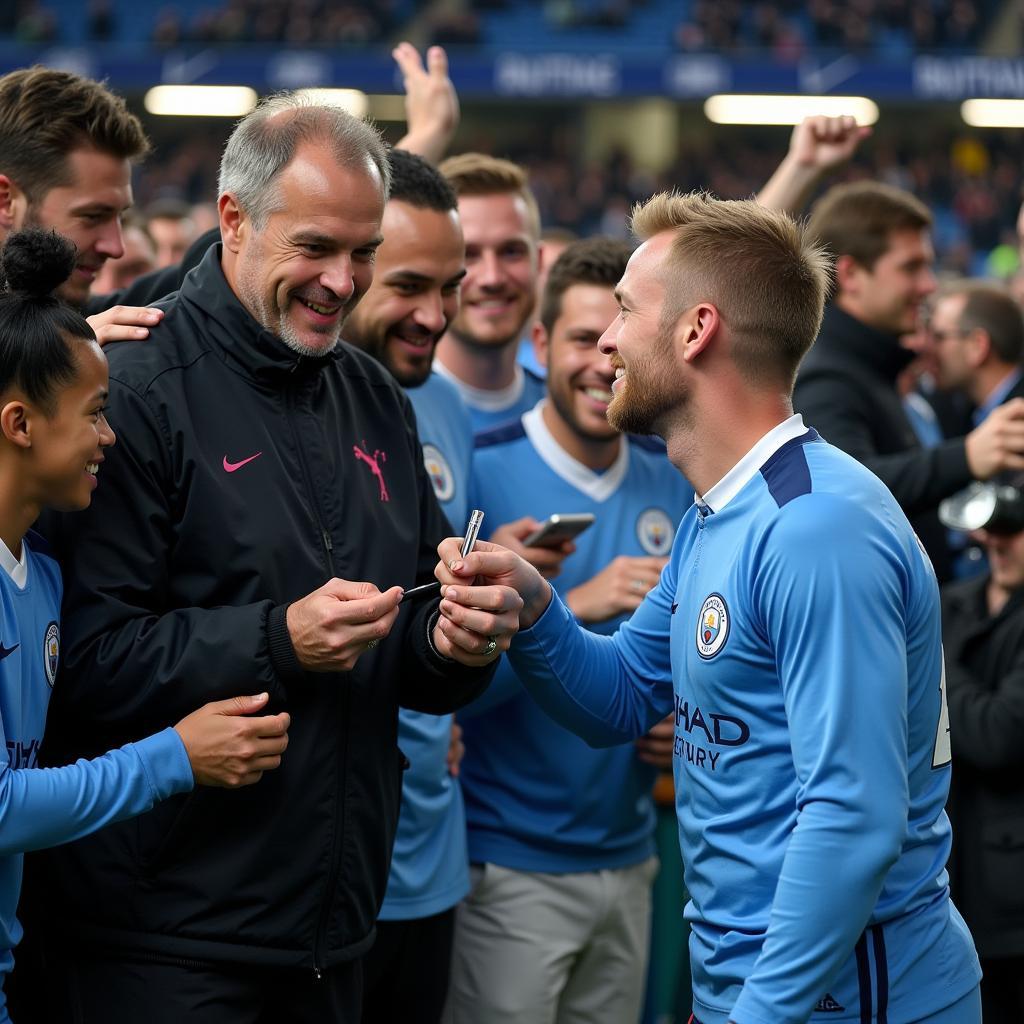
<point>325,537</point>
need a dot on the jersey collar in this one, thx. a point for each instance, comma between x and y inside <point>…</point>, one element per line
<point>480,398</point>
<point>15,568</point>
<point>596,486</point>
<point>740,475</point>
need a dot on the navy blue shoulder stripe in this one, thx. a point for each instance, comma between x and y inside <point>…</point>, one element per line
<point>786,473</point>
<point>39,544</point>
<point>502,434</point>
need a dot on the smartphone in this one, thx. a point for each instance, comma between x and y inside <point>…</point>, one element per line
<point>558,528</point>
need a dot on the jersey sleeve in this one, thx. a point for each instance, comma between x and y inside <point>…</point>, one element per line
<point>606,689</point>
<point>834,612</point>
<point>42,807</point>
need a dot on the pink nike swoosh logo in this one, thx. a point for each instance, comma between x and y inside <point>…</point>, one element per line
<point>230,467</point>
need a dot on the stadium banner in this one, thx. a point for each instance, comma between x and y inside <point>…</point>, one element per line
<point>538,75</point>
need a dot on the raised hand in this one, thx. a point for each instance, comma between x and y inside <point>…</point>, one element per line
<point>431,103</point>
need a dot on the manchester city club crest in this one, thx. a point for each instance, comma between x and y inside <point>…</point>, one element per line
<point>712,626</point>
<point>51,651</point>
<point>654,531</point>
<point>440,472</point>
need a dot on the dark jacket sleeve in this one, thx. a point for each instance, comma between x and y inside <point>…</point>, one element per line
<point>843,414</point>
<point>129,656</point>
<point>430,682</point>
<point>986,727</point>
<point>158,284</point>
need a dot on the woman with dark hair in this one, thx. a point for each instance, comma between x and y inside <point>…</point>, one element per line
<point>53,436</point>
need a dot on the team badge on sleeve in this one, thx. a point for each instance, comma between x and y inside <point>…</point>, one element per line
<point>712,626</point>
<point>654,531</point>
<point>51,651</point>
<point>439,471</point>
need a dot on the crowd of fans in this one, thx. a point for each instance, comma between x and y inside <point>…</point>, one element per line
<point>971,184</point>
<point>786,29</point>
<point>920,385</point>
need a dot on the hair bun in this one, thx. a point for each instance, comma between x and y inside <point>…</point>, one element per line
<point>34,262</point>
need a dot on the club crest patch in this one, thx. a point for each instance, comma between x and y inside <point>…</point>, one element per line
<point>51,651</point>
<point>712,626</point>
<point>654,531</point>
<point>440,473</point>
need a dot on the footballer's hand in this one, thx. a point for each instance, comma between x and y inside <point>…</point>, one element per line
<point>546,560</point>
<point>334,626</point>
<point>491,564</point>
<point>124,323</point>
<point>476,622</point>
<point>656,746</point>
<point>228,748</point>
<point>619,588</point>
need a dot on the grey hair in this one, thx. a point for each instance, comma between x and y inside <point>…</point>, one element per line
<point>264,143</point>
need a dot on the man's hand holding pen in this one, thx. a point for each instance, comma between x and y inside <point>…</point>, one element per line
<point>476,622</point>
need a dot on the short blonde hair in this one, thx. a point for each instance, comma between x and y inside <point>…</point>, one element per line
<point>476,174</point>
<point>757,266</point>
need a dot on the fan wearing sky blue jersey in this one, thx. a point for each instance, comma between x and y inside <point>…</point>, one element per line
<point>53,438</point>
<point>478,353</point>
<point>561,836</point>
<point>794,635</point>
<point>414,296</point>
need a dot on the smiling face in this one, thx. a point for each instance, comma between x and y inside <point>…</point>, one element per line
<point>500,288</point>
<point>87,212</point>
<point>67,446</point>
<point>304,270</point>
<point>579,375</point>
<point>415,291</point>
<point>648,382</point>
<point>889,296</point>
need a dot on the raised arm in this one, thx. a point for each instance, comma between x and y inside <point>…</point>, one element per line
<point>818,146</point>
<point>431,103</point>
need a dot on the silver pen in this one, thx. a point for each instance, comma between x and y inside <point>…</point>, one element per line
<point>476,518</point>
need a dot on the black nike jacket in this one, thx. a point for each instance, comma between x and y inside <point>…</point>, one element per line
<point>244,477</point>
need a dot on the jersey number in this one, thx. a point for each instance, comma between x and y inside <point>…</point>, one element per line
<point>943,753</point>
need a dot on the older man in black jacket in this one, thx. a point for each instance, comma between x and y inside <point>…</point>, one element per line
<point>260,519</point>
<point>983,637</point>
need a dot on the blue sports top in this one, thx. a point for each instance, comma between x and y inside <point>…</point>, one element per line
<point>488,409</point>
<point>429,866</point>
<point>795,635</point>
<point>537,797</point>
<point>41,807</point>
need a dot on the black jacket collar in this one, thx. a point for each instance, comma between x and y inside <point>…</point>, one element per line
<point>232,332</point>
<point>845,336</point>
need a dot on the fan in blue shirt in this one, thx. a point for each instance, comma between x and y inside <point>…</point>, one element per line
<point>501,225</point>
<point>53,438</point>
<point>413,298</point>
<point>794,635</point>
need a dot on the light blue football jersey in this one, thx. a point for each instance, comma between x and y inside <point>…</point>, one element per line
<point>796,636</point>
<point>42,807</point>
<point>489,409</point>
<point>429,867</point>
<point>538,798</point>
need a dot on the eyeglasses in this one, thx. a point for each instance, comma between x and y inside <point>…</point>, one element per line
<point>941,336</point>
